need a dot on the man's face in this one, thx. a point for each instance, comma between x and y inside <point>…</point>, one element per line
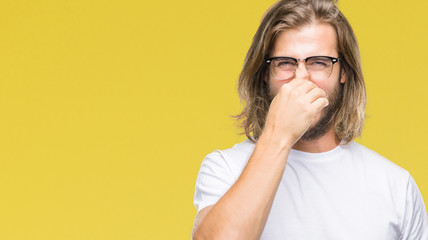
<point>312,40</point>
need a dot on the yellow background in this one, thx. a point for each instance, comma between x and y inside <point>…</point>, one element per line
<point>108,107</point>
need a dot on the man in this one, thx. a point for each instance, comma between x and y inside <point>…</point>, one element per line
<point>299,175</point>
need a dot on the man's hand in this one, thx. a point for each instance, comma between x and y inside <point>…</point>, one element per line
<point>293,109</point>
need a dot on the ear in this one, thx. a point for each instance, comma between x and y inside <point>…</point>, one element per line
<point>266,76</point>
<point>343,76</point>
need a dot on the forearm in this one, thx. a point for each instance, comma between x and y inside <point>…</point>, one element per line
<point>242,212</point>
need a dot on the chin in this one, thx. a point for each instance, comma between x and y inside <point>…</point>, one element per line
<point>321,124</point>
<point>316,119</point>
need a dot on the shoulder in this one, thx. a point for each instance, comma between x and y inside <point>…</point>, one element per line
<point>218,172</point>
<point>381,175</point>
<point>232,159</point>
<point>394,188</point>
<point>239,153</point>
<point>376,162</point>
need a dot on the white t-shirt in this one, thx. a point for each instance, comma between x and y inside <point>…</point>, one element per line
<point>350,192</point>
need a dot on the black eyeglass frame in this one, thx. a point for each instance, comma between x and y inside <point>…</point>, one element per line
<point>333,59</point>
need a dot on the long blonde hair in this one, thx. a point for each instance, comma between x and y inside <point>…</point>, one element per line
<point>253,81</point>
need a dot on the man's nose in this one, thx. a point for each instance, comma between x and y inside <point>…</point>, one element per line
<point>301,71</point>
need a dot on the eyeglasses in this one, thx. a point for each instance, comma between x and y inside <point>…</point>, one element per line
<point>318,67</point>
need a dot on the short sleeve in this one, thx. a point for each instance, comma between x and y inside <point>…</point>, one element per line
<point>415,222</point>
<point>214,179</point>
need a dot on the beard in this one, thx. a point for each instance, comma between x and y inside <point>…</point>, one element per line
<point>327,115</point>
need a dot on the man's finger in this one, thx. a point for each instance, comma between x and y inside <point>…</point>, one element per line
<point>314,94</point>
<point>319,104</point>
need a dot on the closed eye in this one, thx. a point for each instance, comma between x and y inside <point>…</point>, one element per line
<point>319,63</point>
<point>285,63</point>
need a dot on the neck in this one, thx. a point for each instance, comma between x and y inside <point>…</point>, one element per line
<point>324,143</point>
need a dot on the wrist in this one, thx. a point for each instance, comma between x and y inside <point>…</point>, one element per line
<point>279,141</point>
